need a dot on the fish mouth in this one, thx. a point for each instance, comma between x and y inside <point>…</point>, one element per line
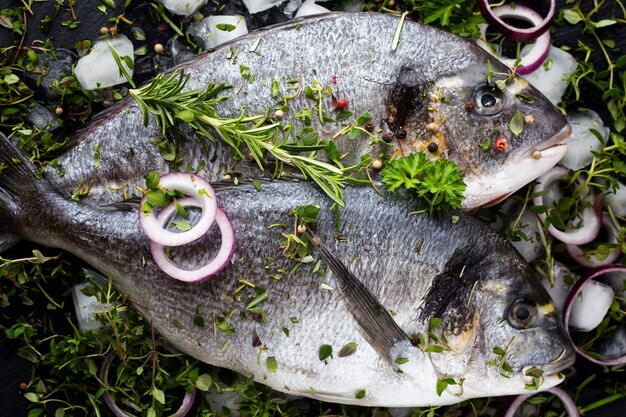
<point>552,141</point>
<point>520,168</point>
<point>564,360</point>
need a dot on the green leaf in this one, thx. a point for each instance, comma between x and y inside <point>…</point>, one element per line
<point>186,116</point>
<point>434,322</point>
<point>226,27</point>
<point>109,3</point>
<point>499,351</point>
<point>348,349</point>
<point>203,383</point>
<point>275,88</point>
<point>571,16</point>
<point>11,78</point>
<point>402,361</point>
<point>355,133</point>
<point>181,225</point>
<point>33,397</point>
<point>60,412</point>
<point>96,156</point>
<point>604,23</point>
<point>158,395</point>
<point>151,412</point>
<point>360,394</point>
<point>244,71</point>
<point>517,124</point>
<point>332,151</point>
<point>344,115</point>
<point>434,349</point>
<point>363,119</point>
<point>157,198</point>
<point>307,213</point>
<point>152,180</point>
<point>325,352</point>
<point>271,364</point>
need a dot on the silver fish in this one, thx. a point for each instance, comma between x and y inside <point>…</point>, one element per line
<point>431,90</point>
<point>388,283</point>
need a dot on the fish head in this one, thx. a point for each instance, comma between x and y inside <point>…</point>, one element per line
<point>500,130</point>
<point>501,329</point>
<point>523,340</point>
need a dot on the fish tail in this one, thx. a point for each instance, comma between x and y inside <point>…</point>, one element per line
<point>18,186</point>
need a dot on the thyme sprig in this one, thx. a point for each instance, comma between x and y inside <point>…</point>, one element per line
<point>166,99</point>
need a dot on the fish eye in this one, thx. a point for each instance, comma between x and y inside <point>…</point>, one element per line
<point>522,314</point>
<point>487,100</point>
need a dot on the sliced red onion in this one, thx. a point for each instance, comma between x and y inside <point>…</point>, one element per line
<point>591,261</point>
<point>567,309</point>
<point>213,267</point>
<point>568,403</point>
<point>182,411</point>
<point>590,217</point>
<point>494,17</point>
<point>538,51</point>
<point>192,186</point>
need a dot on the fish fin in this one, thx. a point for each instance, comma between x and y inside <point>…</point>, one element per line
<point>376,324</point>
<point>17,184</point>
<point>449,297</point>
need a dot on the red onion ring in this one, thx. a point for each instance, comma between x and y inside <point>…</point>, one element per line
<point>591,261</point>
<point>213,267</point>
<point>182,411</point>
<point>193,186</point>
<point>493,16</point>
<point>567,309</point>
<point>539,51</point>
<point>568,403</point>
<point>590,216</point>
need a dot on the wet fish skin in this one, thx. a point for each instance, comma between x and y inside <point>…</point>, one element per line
<point>381,250</point>
<point>428,90</point>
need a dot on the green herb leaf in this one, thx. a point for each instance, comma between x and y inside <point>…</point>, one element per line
<point>402,361</point>
<point>348,349</point>
<point>360,394</point>
<point>152,180</point>
<point>204,381</point>
<point>325,352</point>
<point>158,395</point>
<point>181,225</point>
<point>271,364</point>
<point>517,124</point>
<point>226,27</point>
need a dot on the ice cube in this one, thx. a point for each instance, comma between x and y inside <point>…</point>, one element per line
<point>563,278</point>
<point>616,199</point>
<point>86,308</point>
<point>554,81</point>
<point>182,7</point>
<point>255,6</point>
<point>532,247</point>
<point>582,141</point>
<point>591,306</point>
<point>98,69</point>
<point>216,30</point>
<point>309,8</point>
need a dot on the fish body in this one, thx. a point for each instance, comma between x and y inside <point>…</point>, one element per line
<point>432,90</point>
<point>389,280</point>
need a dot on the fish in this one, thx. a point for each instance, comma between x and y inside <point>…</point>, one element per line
<point>430,94</point>
<point>398,310</point>
<point>435,92</point>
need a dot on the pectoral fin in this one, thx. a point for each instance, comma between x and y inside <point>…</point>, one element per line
<point>374,321</point>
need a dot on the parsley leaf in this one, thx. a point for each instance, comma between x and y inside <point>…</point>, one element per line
<point>438,184</point>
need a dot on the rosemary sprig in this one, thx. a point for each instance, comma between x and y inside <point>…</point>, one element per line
<point>167,101</point>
